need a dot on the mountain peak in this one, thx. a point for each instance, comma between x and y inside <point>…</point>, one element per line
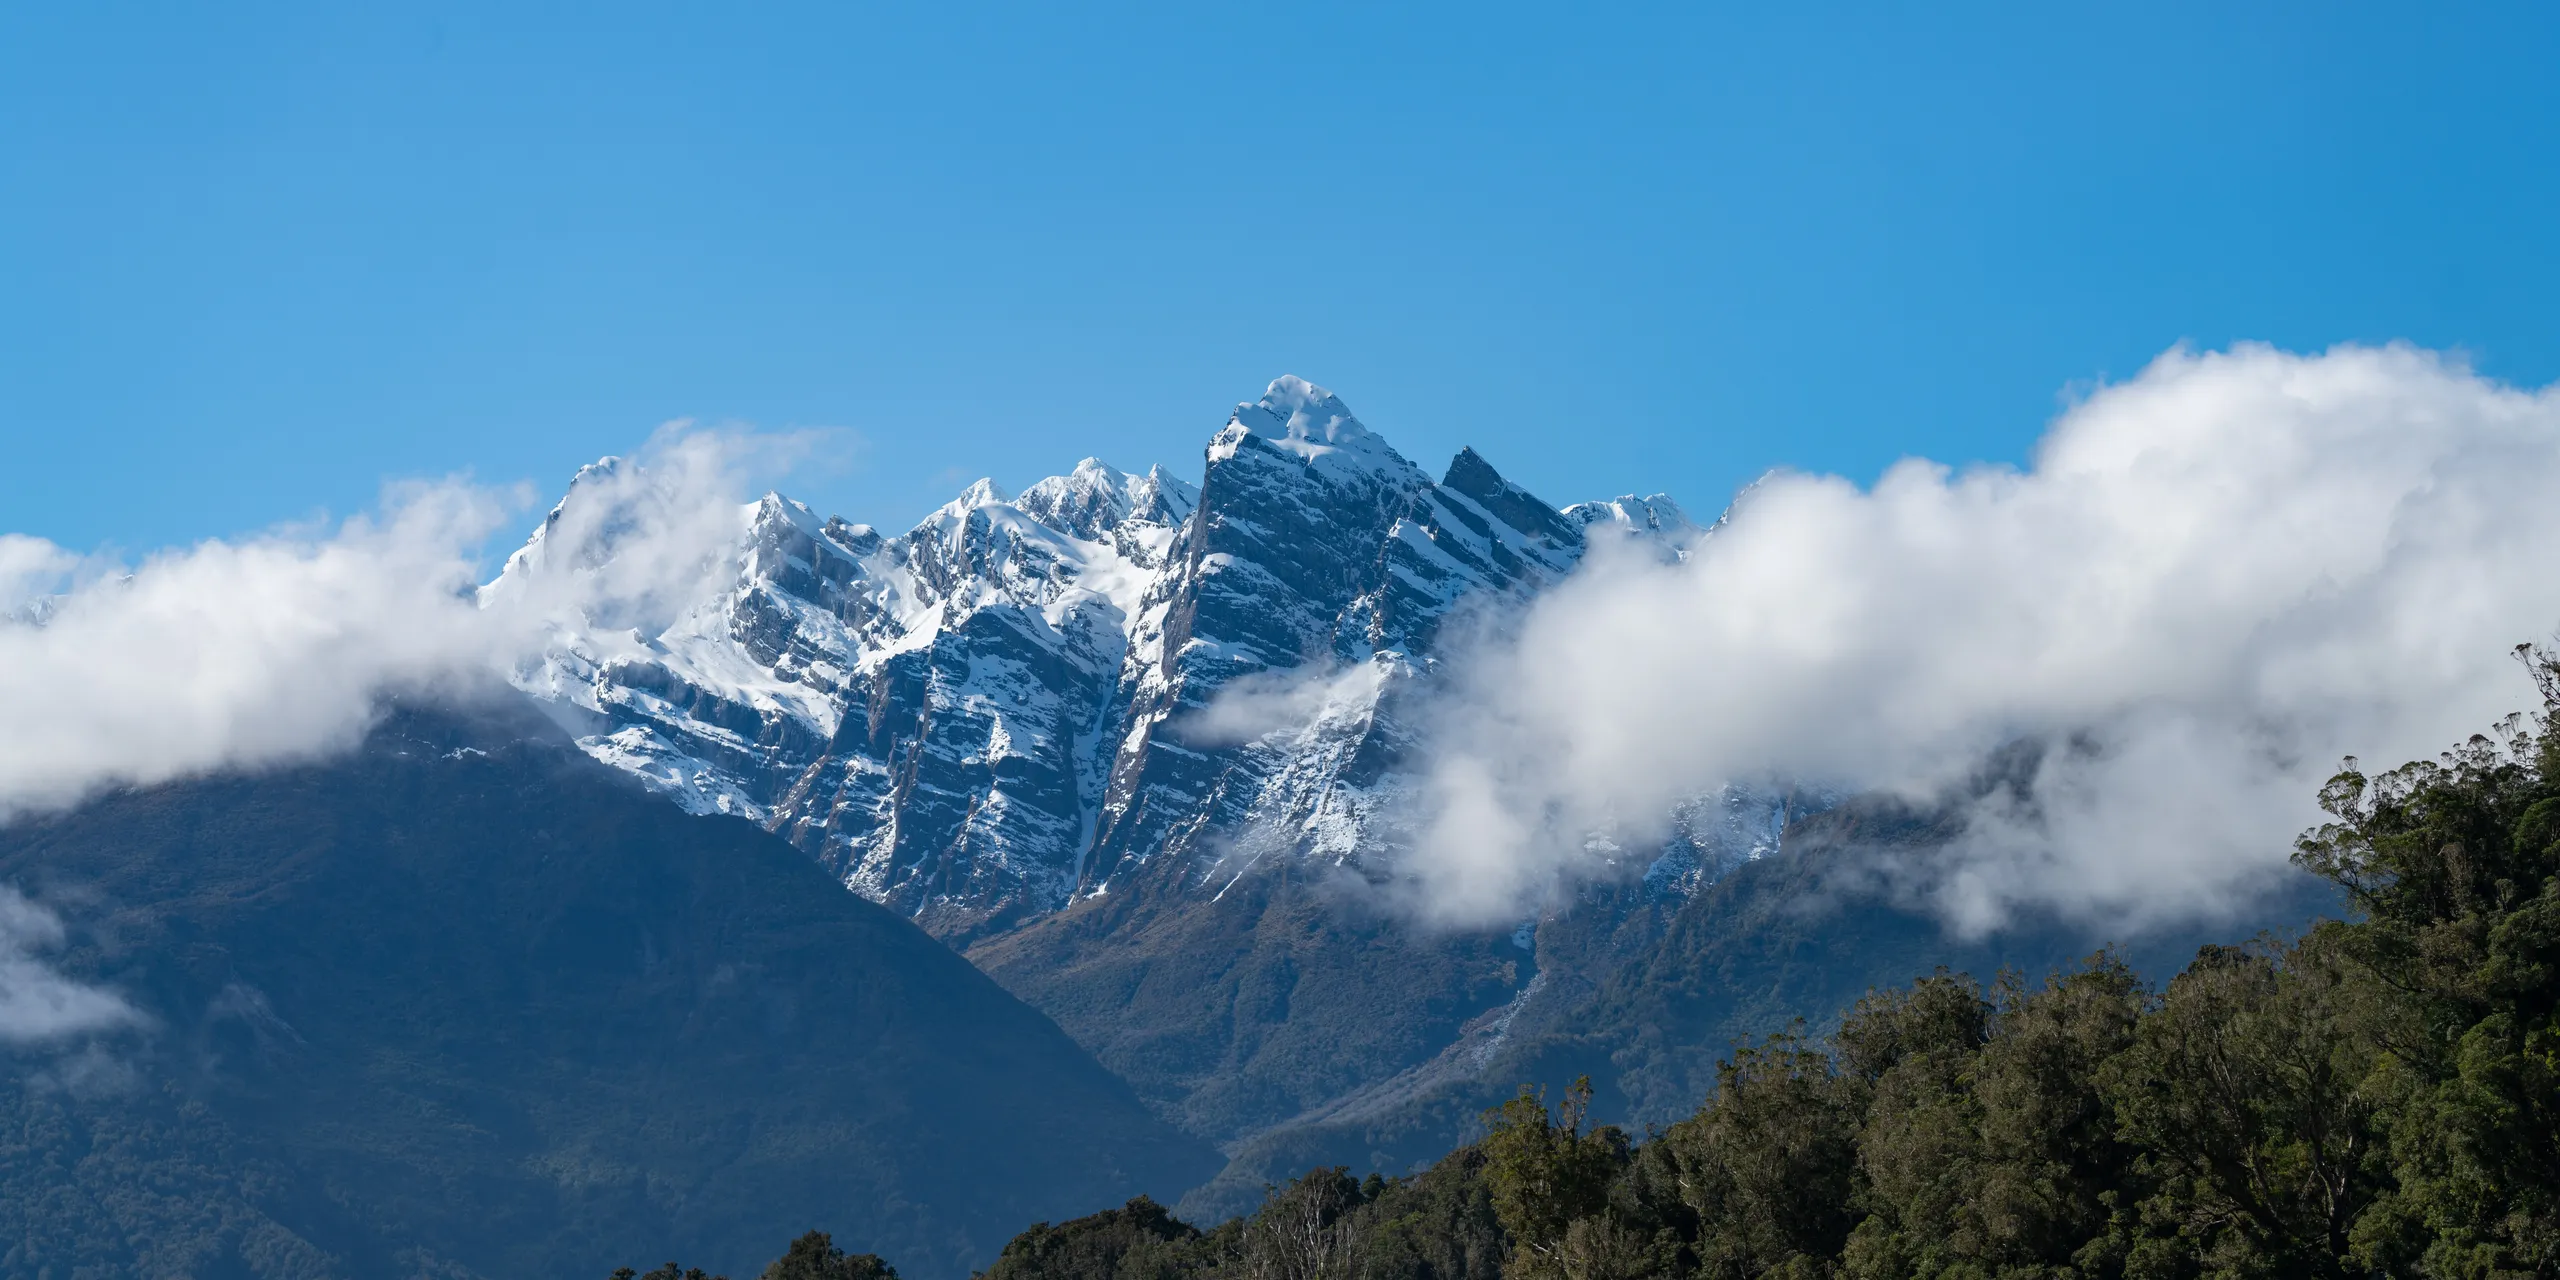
<point>1471,475</point>
<point>1301,417</point>
<point>983,493</point>
<point>1295,416</point>
<point>1086,502</point>
<point>1096,497</point>
<point>779,509</point>
<point>1163,497</point>
<point>1653,517</point>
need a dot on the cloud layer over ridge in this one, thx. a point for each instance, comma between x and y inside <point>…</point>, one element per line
<point>282,646</point>
<point>2214,581</point>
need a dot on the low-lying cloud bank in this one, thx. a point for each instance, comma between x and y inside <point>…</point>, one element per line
<point>285,646</point>
<point>2215,581</point>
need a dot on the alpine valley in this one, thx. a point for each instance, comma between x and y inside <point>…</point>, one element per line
<point>1006,724</point>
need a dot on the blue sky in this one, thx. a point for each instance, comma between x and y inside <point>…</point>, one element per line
<point>255,261</point>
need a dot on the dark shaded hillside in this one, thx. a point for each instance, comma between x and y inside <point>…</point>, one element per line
<point>1798,936</point>
<point>1808,934</point>
<point>427,1011</point>
<point>1237,1012</point>
<point>2375,1096</point>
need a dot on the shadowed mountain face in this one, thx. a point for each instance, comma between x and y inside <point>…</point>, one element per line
<point>470,1004</point>
<point>1645,994</point>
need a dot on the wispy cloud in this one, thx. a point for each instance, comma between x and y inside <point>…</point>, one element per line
<point>1296,702</point>
<point>31,570</point>
<point>37,1002</point>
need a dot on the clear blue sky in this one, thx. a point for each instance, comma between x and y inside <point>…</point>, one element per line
<point>254,260</point>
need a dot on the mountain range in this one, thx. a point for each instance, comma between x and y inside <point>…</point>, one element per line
<point>1007,725</point>
<point>980,721</point>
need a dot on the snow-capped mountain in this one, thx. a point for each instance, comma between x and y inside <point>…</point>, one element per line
<point>1120,739</point>
<point>985,716</point>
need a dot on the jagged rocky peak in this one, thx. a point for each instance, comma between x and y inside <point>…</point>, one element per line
<point>981,492</point>
<point>779,523</point>
<point>789,548</point>
<point>1293,408</point>
<point>1095,498</point>
<point>1471,475</point>
<point>1656,512</point>
<point>536,551</point>
<point>1654,518</point>
<point>1295,416</point>
<point>1295,505</point>
<point>961,720</point>
<point>1316,547</point>
<point>861,539</point>
<point>1162,497</point>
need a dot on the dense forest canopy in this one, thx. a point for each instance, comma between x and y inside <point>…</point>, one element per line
<point>2379,1097</point>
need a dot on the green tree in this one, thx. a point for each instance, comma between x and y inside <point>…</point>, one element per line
<point>1914,1053</point>
<point>1544,1172</point>
<point>1986,1146</point>
<point>2055,1170</point>
<point>815,1257</point>
<point>1438,1225</point>
<point>1310,1229</point>
<point>2454,866</point>
<point>1770,1164</point>
<point>2244,1093</point>
<point>1138,1241</point>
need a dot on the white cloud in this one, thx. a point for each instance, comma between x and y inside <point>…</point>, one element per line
<point>1295,701</point>
<point>2215,581</point>
<point>30,570</point>
<point>638,542</point>
<point>38,1003</point>
<point>280,647</point>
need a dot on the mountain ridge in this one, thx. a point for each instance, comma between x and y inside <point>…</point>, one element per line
<point>966,721</point>
<point>466,1003</point>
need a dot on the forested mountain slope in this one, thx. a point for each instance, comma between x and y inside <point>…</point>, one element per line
<point>469,1004</point>
<point>2376,1097</point>
<point>1646,997</point>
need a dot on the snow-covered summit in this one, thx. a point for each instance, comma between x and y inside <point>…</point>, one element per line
<point>967,720</point>
<point>1092,500</point>
<point>1294,409</point>
<point>1295,416</point>
<point>1653,519</point>
<point>981,492</point>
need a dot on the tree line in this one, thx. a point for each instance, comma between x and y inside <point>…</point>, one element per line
<point>2379,1097</point>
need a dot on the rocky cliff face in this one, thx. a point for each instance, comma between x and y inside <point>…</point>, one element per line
<point>922,713</point>
<point>1124,742</point>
